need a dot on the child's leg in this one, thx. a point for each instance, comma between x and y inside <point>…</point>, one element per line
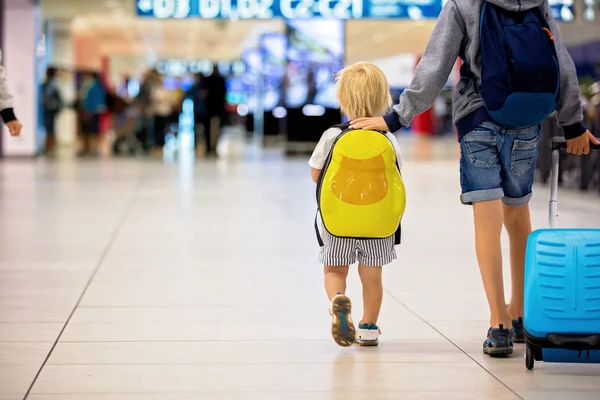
<point>488,227</point>
<point>342,326</point>
<point>519,155</point>
<point>335,280</point>
<point>372,291</point>
<point>517,221</point>
<point>481,173</point>
<point>337,254</point>
<point>372,254</point>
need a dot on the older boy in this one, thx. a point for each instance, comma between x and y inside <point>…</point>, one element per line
<point>497,164</point>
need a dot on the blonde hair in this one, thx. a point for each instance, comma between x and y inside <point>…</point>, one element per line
<point>363,90</point>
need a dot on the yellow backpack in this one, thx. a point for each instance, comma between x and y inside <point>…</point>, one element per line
<point>360,192</point>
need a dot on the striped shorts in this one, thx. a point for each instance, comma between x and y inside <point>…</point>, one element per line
<point>343,251</point>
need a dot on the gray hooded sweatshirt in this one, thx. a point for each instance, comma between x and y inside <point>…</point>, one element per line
<point>457,34</point>
<point>6,99</point>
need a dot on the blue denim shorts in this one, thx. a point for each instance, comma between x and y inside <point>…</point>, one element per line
<point>497,163</point>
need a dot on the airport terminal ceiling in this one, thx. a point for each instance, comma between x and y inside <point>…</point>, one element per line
<point>122,33</point>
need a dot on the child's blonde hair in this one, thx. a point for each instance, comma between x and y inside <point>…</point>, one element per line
<point>363,90</point>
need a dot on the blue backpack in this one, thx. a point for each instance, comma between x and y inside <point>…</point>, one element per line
<point>520,75</point>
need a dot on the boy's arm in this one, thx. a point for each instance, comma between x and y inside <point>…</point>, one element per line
<point>569,110</point>
<point>433,70</point>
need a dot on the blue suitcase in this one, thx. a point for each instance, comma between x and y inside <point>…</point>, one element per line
<point>562,288</point>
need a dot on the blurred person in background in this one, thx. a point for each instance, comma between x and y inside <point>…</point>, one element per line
<point>93,95</point>
<point>162,106</point>
<point>52,104</point>
<point>197,94</point>
<point>143,101</point>
<point>116,105</point>
<point>311,83</point>
<point>594,109</point>
<point>216,92</point>
<point>178,96</point>
<point>6,105</point>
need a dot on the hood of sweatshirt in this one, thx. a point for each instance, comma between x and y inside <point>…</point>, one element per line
<point>517,5</point>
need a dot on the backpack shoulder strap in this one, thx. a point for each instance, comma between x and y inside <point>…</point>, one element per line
<point>343,126</point>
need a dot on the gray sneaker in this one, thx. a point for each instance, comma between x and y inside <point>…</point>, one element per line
<point>342,327</point>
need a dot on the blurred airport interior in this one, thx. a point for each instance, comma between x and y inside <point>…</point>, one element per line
<point>156,212</point>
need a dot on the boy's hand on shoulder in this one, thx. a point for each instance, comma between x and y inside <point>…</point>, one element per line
<point>581,144</point>
<point>14,127</point>
<point>374,123</point>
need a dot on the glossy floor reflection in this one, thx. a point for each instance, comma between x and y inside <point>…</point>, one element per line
<point>131,279</point>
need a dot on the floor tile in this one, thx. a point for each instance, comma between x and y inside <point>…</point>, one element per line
<point>28,314</point>
<point>549,377</point>
<point>231,352</point>
<point>16,379</point>
<point>472,330</point>
<point>23,353</point>
<point>266,377</point>
<point>559,395</point>
<point>44,266</point>
<point>359,395</point>
<point>441,308</point>
<point>209,270</point>
<point>29,332</point>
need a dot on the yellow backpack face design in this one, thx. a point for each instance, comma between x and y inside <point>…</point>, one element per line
<point>360,192</point>
<point>360,182</point>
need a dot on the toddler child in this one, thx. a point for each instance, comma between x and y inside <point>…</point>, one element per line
<point>362,91</point>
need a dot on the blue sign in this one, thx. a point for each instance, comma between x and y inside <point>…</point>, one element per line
<point>289,9</point>
<point>562,10</point>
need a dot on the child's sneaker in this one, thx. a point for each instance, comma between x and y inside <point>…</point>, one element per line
<point>342,327</point>
<point>368,335</point>
<point>519,336</point>
<point>499,342</point>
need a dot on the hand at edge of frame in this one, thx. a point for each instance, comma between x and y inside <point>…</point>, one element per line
<point>373,123</point>
<point>14,127</point>
<point>581,145</point>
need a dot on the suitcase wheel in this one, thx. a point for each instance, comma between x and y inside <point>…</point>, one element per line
<point>529,358</point>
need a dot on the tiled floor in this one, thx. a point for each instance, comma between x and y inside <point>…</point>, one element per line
<point>143,280</point>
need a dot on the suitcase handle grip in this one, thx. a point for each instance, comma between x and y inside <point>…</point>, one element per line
<point>579,342</point>
<point>560,143</point>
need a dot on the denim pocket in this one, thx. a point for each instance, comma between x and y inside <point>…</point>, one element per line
<point>523,156</point>
<point>480,148</point>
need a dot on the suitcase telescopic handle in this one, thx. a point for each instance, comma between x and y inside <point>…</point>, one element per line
<point>558,144</point>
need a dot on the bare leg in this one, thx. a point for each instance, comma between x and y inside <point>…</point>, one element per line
<point>372,292</point>
<point>342,327</point>
<point>488,227</point>
<point>517,221</point>
<point>335,280</point>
